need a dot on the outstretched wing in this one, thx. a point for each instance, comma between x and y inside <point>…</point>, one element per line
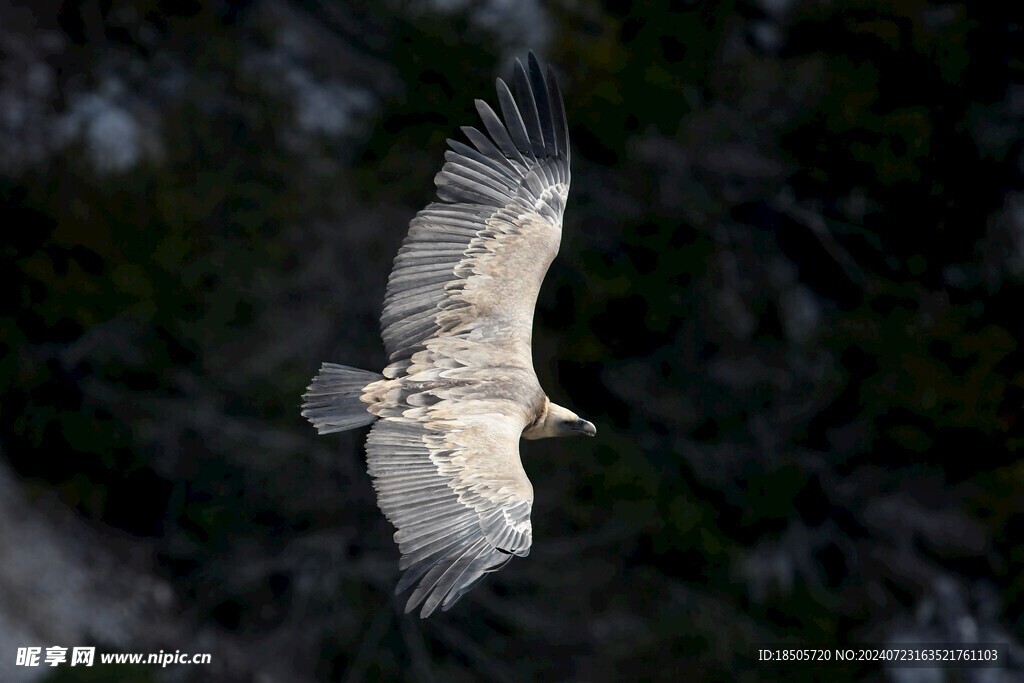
<point>472,264</point>
<point>449,477</point>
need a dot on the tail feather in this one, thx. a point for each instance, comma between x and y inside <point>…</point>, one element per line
<point>332,402</point>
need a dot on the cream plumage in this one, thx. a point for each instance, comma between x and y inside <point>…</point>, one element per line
<point>460,389</point>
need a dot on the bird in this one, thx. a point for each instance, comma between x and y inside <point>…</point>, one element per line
<point>460,389</point>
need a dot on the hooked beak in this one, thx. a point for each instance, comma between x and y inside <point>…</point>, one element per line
<point>584,427</point>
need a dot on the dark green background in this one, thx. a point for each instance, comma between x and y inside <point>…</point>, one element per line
<point>788,296</point>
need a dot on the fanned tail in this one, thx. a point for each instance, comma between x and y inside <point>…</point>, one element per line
<point>332,401</point>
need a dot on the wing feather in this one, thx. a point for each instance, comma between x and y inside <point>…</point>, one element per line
<point>490,150</point>
<point>428,278</point>
<point>413,270</point>
<point>440,580</point>
<point>422,285</point>
<point>540,91</point>
<point>457,272</point>
<point>454,523</point>
<point>459,185</point>
<point>531,116</point>
<point>496,129</point>
<point>560,122</point>
<point>476,572</point>
<point>425,537</point>
<point>514,120</point>
<point>451,190</point>
<point>468,171</point>
<point>499,168</point>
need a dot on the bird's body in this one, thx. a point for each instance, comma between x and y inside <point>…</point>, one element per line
<point>460,389</point>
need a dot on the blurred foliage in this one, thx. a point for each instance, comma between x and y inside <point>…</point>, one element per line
<point>788,295</point>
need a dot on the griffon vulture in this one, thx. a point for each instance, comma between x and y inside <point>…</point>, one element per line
<point>460,388</point>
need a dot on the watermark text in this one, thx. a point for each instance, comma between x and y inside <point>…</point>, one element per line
<point>58,655</point>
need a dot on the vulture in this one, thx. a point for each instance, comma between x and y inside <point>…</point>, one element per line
<point>460,390</point>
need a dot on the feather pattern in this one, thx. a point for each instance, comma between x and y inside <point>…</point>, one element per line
<point>508,188</point>
<point>460,387</point>
<point>452,483</point>
<point>461,297</point>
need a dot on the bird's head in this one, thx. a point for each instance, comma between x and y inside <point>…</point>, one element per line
<point>558,421</point>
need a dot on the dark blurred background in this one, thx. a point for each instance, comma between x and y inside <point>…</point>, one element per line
<point>788,295</point>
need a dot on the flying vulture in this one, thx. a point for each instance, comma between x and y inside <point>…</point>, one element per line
<point>460,389</point>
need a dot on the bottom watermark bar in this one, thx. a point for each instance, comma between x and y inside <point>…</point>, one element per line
<point>57,655</point>
<point>914,655</point>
